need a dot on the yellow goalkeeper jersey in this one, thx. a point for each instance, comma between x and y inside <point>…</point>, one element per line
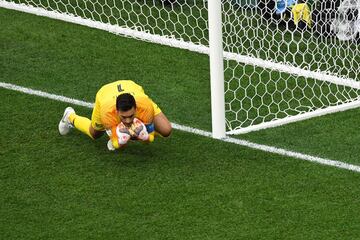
<point>105,115</point>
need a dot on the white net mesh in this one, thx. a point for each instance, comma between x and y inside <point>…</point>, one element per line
<point>255,94</point>
<point>282,57</point>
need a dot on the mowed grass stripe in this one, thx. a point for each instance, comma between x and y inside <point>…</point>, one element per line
<point>183,187</point>
<point>261,147</point>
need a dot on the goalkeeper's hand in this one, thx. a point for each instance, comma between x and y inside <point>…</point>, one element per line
<point>120,138</point>
<point>122,133</point>
<point>138,131</point>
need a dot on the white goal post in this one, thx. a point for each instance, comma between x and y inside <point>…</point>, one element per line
<point>273,62</point>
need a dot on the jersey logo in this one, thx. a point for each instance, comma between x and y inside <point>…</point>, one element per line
<point>119,88</point>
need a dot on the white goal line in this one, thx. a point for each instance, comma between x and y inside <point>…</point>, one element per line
<point>261,147</point>
<point>172,42</point>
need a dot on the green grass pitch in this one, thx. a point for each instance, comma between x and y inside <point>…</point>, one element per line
<point>184,187</point>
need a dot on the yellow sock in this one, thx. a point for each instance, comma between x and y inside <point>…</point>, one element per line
<point>81,123</point>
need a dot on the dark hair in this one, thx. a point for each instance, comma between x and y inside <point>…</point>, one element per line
<point>125,102</point>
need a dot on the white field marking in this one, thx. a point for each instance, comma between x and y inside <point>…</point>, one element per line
<point>244,143</point>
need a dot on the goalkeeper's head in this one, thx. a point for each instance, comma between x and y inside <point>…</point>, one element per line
<point>126,108</point>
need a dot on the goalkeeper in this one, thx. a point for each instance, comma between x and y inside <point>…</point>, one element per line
<point>124,111</point>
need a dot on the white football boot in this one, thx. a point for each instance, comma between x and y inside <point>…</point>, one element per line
<point>65,125</point>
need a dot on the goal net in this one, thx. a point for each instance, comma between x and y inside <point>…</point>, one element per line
<point>284,60</point>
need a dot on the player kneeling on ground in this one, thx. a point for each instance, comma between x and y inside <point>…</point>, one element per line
<point>124,111</point>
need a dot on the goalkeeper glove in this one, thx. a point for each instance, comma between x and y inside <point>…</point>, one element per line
<point>122,133</point>
<point>138,130</point>
<point>120,138</point>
